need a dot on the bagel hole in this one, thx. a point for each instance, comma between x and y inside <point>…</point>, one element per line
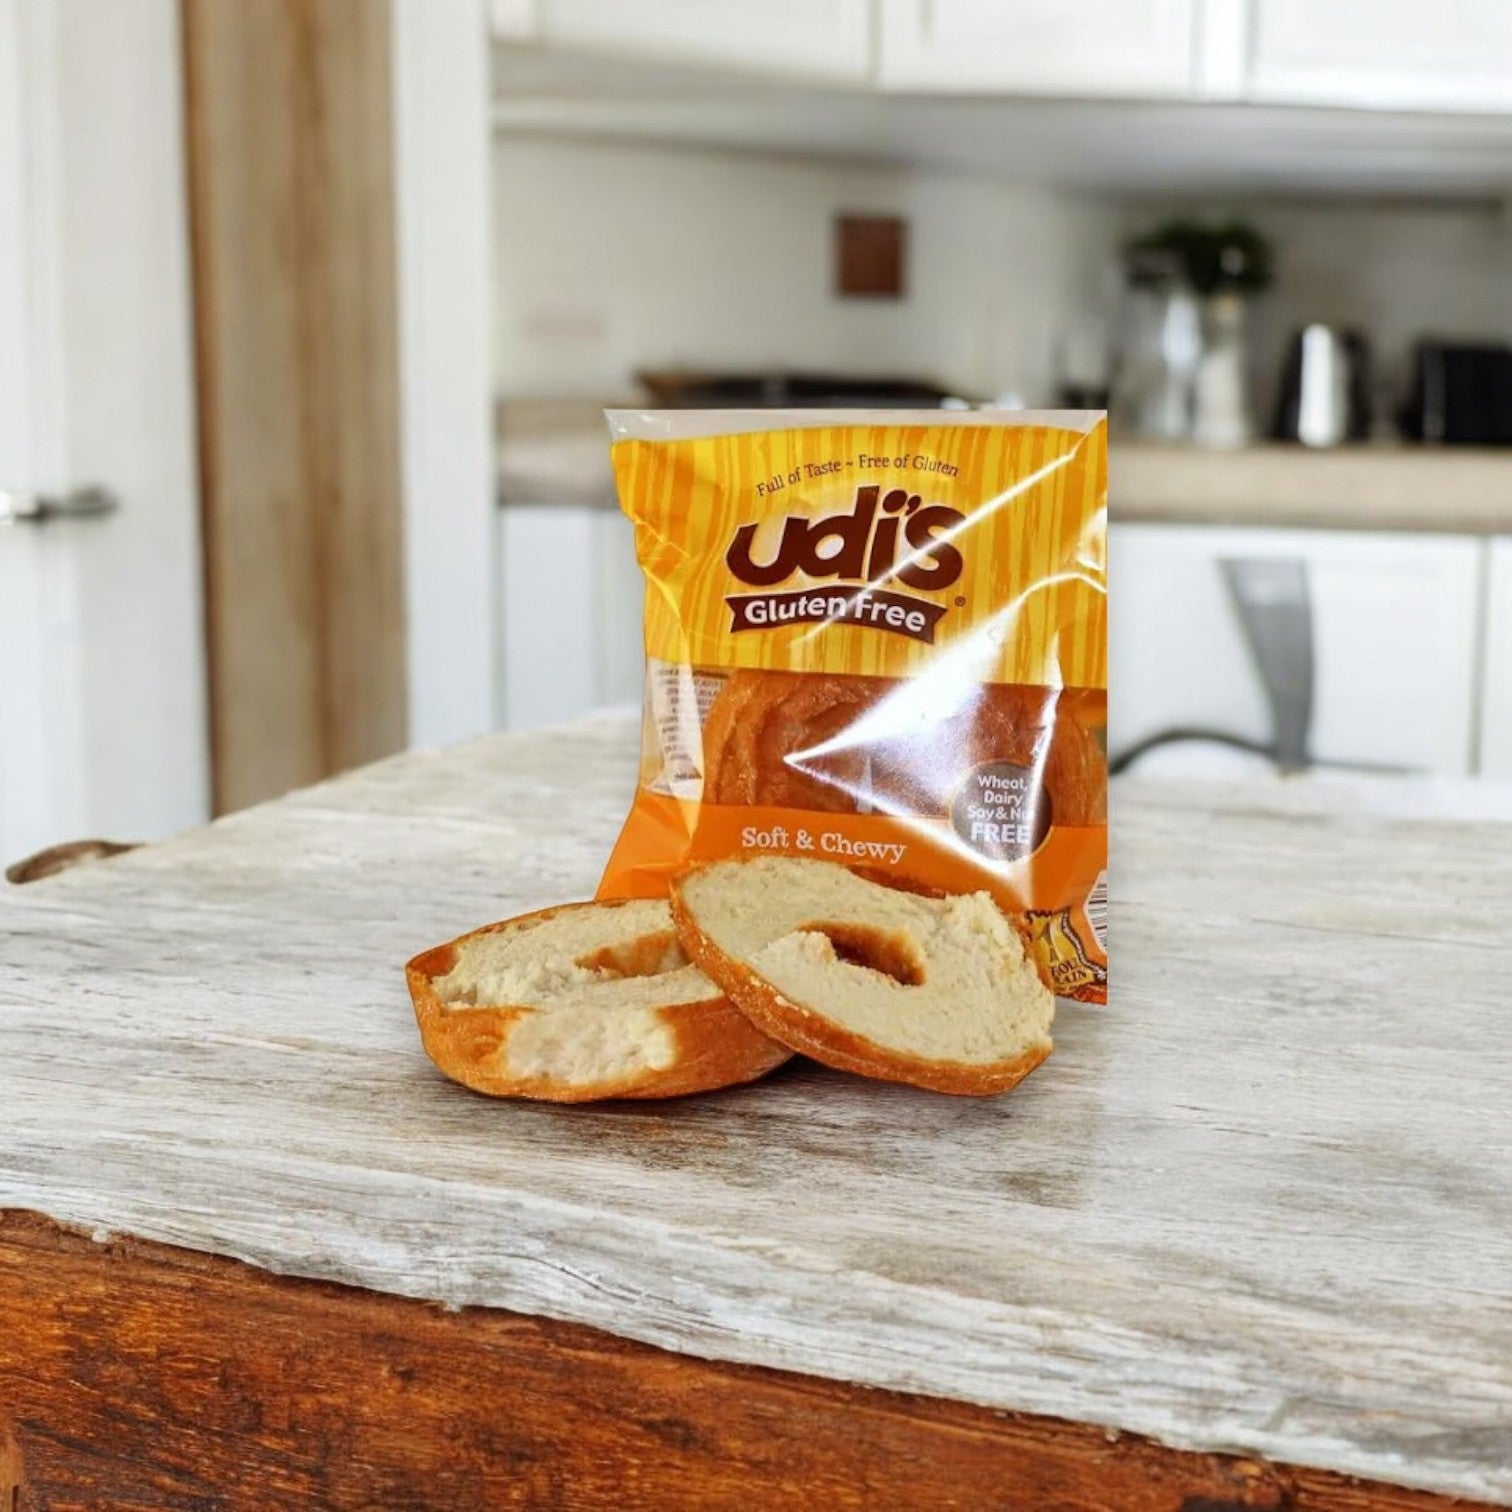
<point>887,952</point>
<point>648,955</point>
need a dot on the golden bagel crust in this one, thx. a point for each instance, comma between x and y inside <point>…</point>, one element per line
<point>765,732</point>
<point>811,1034</point>
<point>715,1045</point>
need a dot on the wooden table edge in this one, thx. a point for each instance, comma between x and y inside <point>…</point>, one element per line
<point>138,1374</point>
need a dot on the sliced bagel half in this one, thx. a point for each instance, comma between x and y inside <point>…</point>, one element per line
<point>935,991</point>
<point>583,1001</point>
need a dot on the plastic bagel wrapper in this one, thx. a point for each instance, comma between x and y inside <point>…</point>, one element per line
<point>878,638</point>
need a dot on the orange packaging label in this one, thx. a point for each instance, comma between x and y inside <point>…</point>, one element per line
<point>880,641</point>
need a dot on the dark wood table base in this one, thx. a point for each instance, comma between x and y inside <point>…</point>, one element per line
<point>138,1376</point>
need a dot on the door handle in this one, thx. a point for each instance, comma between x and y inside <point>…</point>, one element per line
<point>20,508</point>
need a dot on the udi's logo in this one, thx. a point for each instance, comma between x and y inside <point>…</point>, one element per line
<point>880,538</point>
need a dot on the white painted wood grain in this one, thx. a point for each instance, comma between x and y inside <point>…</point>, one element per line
<point>441,168</point>
<point>1496,666</point>
<point>102,668</point>
<point>1263,1202</point>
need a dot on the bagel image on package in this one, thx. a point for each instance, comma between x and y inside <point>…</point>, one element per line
<point>877,640</point>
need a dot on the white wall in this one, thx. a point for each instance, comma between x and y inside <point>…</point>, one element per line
<point>441,167</point>
<point>610,257</point>
<point>1397,270</point>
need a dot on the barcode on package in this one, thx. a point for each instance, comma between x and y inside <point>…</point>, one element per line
<point>1097,910</point>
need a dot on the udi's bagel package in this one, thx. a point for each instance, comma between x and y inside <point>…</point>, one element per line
<point>880,640</point>
<point>870,826</point>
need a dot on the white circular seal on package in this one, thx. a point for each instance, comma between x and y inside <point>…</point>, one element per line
<point>1002,810</point>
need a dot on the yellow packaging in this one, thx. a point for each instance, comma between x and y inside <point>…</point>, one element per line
<point>878,638</point>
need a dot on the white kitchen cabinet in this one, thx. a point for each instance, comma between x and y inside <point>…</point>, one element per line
<point>619,587</point>
<point>1058,47</point>
<point>825,39</point>
<point>514,20</point>
<point>1386,54</point>
<point>1395,634</point>
<point>569,613</point>
<point>1496,674</point>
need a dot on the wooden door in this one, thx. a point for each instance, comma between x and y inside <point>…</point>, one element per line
<point>340,407</point>
<point>102,675</point>
<point>292,198</point>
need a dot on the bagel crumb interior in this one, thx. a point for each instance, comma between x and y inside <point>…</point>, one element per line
<point>593,981</point>
<point>943,979</point>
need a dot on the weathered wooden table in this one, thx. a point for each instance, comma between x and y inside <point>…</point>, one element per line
<point>1246,1236</point>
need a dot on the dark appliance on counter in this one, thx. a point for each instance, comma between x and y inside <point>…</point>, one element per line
<point>1325,388</point>
<point>790,390</point>
<point>1460,394</point>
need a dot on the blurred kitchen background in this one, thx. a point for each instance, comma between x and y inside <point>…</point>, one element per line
<point>313,307</point>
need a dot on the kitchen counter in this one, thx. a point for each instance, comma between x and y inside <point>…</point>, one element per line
<point>1461,490</point>
<point>1260,1205</point>
<point>557,452</point>
<point>553,451</point>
